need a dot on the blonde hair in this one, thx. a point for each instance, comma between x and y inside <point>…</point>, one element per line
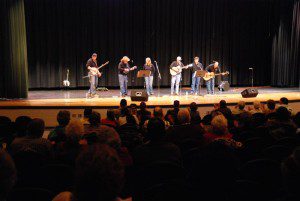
<point>75,127</point>
<point>184,116</point>
<point>256,104</point>
<point>148,61</point>
<point>219,125</point>
<point>125,58</point>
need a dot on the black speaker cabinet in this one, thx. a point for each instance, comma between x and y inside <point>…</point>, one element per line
<point>138,95</point>
<point>249,93</point>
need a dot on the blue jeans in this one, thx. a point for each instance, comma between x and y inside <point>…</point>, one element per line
<point>195,83</point>
<point>149,84</point>
<point>123,80</point>
<point>93,84</point>
<point>210,86</point>
<point>175,81</point>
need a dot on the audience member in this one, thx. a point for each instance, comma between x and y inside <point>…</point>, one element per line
<point>110,119</point>
<point>171,115</point>
<point>284,102</point>
<point>99,174</point>
<point>8,174</point>
<point>256,108</point>
<point>58,134</point>
<point>239,108</point>
<point>194,113</point>
<point>21,125</point>
<point>143,114</point>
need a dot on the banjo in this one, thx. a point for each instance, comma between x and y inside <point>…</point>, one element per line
<point>66,82</point>
<point>95,70</point>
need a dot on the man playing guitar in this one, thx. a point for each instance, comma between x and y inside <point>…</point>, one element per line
<point>124,69</point>
<point>210,84</point>
<point>175,70</point>
<point>93,77</point>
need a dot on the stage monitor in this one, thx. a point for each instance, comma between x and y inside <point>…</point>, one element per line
<point>138,95</point>
<point>249,93</point>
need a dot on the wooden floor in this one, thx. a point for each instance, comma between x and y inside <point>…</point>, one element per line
<point>76,98</point>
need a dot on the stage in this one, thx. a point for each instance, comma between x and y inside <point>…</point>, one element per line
<point>107,99</point>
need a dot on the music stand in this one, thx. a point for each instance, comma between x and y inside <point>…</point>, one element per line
<point>143,73</point>
<point>200,73</point>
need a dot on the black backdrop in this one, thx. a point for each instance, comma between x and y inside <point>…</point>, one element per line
<point>63,34</point>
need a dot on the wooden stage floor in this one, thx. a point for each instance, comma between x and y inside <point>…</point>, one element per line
<point>111,98</point>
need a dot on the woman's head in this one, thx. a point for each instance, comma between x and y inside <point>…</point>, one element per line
<point>219,125</point>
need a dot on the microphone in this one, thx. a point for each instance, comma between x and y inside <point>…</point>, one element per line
<point>132,61</point>
<point>250,68</point>
<point>155,61</point>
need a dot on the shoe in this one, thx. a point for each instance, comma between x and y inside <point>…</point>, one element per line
<point>176,94</point>
<point>151,93</point>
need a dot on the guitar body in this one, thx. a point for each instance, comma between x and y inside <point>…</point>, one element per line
<point>210,75</point>
<point>178,69</point>
<point>127,70</point>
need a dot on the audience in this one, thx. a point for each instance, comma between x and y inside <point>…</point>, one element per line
<point>8,174</point>
<point>58,134</point>
<point>110,119</point>
<point>99,174</point>
<point>284,102</point>
<point>33,141</point>
<point>171,115</point>
<point>193,154</point>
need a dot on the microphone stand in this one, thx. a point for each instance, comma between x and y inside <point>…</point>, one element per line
<point>252,79</point>
<point>158,80</point>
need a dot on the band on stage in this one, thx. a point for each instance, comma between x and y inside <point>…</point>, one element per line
<point>208,74</point>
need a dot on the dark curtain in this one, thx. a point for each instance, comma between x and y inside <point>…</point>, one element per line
<point>13,50</point>
<point>285,52</point>
<point>62,34</point>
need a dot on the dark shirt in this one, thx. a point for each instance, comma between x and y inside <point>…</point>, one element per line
<point>91,63</point>
<point>122,66</point>
<point>175,63</point>
<point>210,68</point>
<point>198,66</point>
<point>149,67</point>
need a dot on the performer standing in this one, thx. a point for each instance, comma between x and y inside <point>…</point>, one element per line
<point>124,69</point>
<point>93,78</point>
<point>175,80</point>
<point>196,80</point>
<point>210,84</point>
<point>149,80</point>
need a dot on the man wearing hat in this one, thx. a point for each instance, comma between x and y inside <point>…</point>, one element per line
<point>92,62</point>
<point>175,80</point>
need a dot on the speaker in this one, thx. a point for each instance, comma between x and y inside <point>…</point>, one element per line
<point>249,93</point>
<point>224,86</point>
<point>138,95</point>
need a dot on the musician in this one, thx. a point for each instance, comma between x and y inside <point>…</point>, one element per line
<point>92,62</point>
<point>149,80</point>
<point>210,84</point>
<point>196,80</point>
<point>123,68</point>
<point>175,80</point>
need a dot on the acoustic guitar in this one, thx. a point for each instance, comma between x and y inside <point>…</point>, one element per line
<point>178,69</point>
<point>210,75</point>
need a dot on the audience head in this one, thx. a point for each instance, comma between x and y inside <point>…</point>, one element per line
<point>256,105</point>
<point>21,125</point>
<point>143,105</point>
<point>283,114</point>
<point>109,136</point>
<point>63,117</point>
<point>291,173</point>
<point>99,174</point>
<point>297,119</point>
<point>156,129</point>
<point>223,104</point>
<point>133,108</point>
<point>206,119</point>
<point>219,125</point>
<point>87,112</point>
<point>8,174</point>
<point>110,115</point>
<point>271,104</point>
<point>193,106</point>
<point>158,112</point>
<point>176,104</point>
<point>74,128</point>
<point>36,128</point>
<point>241,105</point>
<point>184,116</point>
<point>130,119</point>
<point>95,118</point>
<point>123,103</point>
<point>284,101</point>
